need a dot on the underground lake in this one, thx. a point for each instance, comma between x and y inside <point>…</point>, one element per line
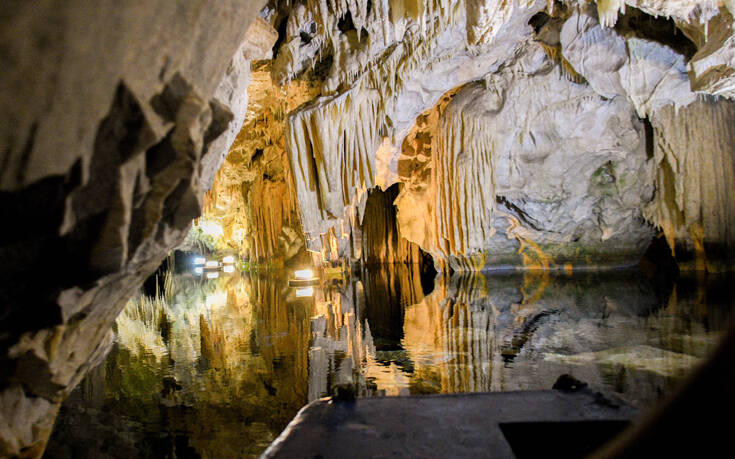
<point>217,367</point>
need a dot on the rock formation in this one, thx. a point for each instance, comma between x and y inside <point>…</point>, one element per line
<point>115,117</point>
<point>539,148</point>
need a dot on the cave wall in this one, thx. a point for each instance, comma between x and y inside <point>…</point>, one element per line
<point>252,198</point>
<point>115,116</point>
<point>546,161</point>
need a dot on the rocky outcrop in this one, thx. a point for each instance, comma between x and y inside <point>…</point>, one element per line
<point>112,122</point>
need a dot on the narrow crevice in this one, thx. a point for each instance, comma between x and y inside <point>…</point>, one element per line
<point>659,29</point>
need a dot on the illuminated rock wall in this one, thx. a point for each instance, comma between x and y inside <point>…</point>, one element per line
<point>110,115</point>
<point>252,197</point>
<point>545,162</point>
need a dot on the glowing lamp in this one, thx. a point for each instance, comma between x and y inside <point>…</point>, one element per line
<point>303,274</point>
<point>199,260</point>
<point>212,264</point>
<point>198,270</point>
<point>229,259</point>
<point>212,275</point>
<point>228,269</point>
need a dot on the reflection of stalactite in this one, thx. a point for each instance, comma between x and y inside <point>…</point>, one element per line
<point>340,343</point>
<point>237,349</point>
<point>467,337</point>
<point>355,325</point>
<point>285,327</point>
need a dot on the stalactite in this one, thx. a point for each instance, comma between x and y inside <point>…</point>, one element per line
<point>694,150</point>
<point>330,145</point>
<point>463,173</point>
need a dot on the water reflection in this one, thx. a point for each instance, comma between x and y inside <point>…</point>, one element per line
<point>219,367</point>
<point>512,332</point>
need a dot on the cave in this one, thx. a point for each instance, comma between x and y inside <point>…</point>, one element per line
<point>286,228</point>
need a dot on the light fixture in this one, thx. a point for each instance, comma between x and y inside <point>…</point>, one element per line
<point>229,259</point>
<point>228,269</point>
<point>303,274</point>
<point>199,260</point>
<point>304,292</point>
<point>212,275</point>
<point>212,264</point>
<point>198,270</point>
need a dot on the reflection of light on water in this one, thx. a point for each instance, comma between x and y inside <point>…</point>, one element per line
<point>212,275</point>
<point>212,264</point>
<point>229,259</point>
<point>305,292</point>
<point>224,338</point>
<point>303,274</point>
<point>216,299</point>
<point>228,269</point>
<point>199,260</point>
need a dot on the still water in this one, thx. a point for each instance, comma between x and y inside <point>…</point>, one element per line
<point>218,367</point>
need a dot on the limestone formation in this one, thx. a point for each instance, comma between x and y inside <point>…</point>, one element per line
<point>110,118</point>
<point>550,174</point>
<point>469,201</point>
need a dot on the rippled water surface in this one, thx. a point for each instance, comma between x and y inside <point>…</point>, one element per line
<point>217,368</point>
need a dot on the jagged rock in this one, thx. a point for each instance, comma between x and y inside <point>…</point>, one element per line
<point>348,140</point>
<point>384,67</point>
<point>106,117</point>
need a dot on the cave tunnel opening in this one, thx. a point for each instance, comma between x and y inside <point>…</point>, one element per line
<point>382,242</point>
